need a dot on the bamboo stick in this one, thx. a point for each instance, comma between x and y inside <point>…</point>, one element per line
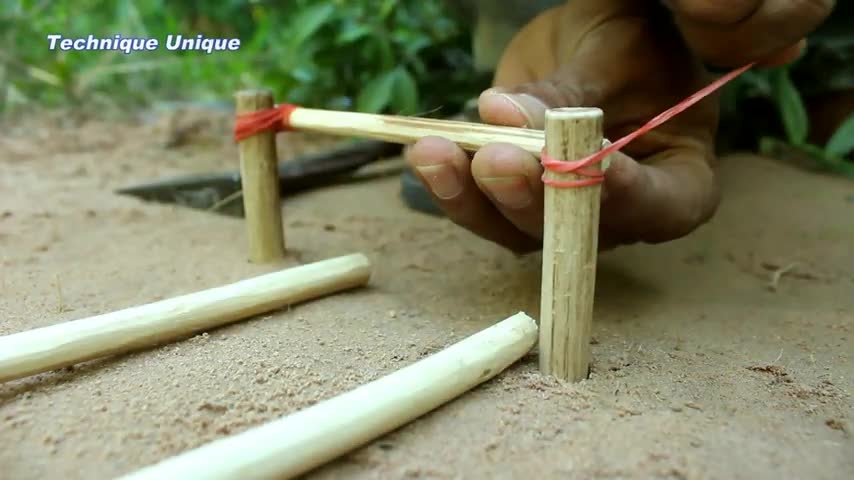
<point>259,177</point>
<point>570,244</point>
<point>64,344</point>
<point>295,444</point>
<point>406,130</point>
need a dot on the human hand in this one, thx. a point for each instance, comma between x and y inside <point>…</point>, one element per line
<point>613,54</point>
<point>731,33</point>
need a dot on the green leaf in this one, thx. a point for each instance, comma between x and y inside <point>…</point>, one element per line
<point>309,21</point>
<point>811,154</point>
<point>386,50</point>
<point>842,141</point>
<point>768,146</point>
<point>386,8</point>
<point>791,106</point>
<point>756,81</point>
<point>377,93</point>
<point>351,34</point>
<point>405,92</point>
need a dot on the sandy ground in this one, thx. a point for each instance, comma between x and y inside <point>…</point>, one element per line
<point>704,366</point>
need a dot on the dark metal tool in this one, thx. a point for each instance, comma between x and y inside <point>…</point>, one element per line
<point>220,192</point>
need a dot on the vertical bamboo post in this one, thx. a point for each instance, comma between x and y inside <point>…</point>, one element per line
<point>260,183</point>
<point>570,245</point>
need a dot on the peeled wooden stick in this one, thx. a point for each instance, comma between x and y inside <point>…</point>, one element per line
<point>64,344</point>
<point>570,245</point>
<point>391,128</point>
<point>297,443</point>
<point>259,176</point>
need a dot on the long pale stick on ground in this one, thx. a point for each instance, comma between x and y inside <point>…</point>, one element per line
<point>64,344</point>
<point>570,244</point>
<point>299,442</point>
<point>259,177</point>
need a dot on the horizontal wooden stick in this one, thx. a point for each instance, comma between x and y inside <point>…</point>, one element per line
<point>406,130</point>
<point>297,443</point>
<point>64,344</point>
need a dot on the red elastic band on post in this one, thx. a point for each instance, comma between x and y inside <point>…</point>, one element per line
<point>276,119</point>
<point>594,176</point>
<point>578,167</point>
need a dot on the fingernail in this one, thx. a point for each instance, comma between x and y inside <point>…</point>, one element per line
<point>512,192</point>
<point>443,180</point>
<point>494,91</point>
<point>528,106</point>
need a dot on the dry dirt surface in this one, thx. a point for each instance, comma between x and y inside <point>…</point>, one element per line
<point>724,355</point>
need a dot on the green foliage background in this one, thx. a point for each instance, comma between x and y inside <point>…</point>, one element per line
<point>400,56</point>
<point>410,57</point>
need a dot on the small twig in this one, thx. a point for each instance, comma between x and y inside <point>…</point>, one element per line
<point>61,304</point>
<point>774,282</point>
<point>228,199</point>
<point>428,112</point>
<point>778,357</point>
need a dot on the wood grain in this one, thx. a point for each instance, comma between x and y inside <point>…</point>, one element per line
<point>260,184</point>
<point>570,244</point>
<point>407,130</point>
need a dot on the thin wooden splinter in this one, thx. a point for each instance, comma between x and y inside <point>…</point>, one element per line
<point>260,184</point>
<point>64,344</point>
<point>297,443</point>
<point>570,244</point>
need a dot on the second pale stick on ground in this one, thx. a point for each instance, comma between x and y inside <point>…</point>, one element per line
<point>64,344</point>
<point>307,439</point>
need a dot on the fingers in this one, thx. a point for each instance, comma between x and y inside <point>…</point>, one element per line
<point>499,196</point>
<point>785,56</point>
<point>445,170</point>
<point>715,12</point>
<point>511,178</point>
<point>525,105</point>
<point>732,33</point>
<point>665,198</point>
<point>497,107</point>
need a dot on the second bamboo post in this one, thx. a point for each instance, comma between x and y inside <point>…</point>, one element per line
<point>570,245</point>
<point>260,183</point>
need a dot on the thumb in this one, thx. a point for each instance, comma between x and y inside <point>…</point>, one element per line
<point>525,105</point>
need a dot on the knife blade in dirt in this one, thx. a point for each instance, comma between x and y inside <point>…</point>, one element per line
<point>217,191</point>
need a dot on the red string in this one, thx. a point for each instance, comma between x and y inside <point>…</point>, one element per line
<point>276,119</point>
<point>595,176</point>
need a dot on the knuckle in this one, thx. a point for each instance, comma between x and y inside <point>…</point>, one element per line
<point>559,91</point>
<point>719,12</point>
<point>816,10</point>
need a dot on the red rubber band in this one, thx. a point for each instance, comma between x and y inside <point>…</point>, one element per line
<point>594,176</point>
<point>578,167</point>
<point>276,119</point>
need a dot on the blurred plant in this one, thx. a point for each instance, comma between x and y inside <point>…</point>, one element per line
<point>793,115</point>
<point>782,129</point>
<point>766,108</point>
<point>374,56</point>
<point>397,56</point>
<point>401,56</point>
